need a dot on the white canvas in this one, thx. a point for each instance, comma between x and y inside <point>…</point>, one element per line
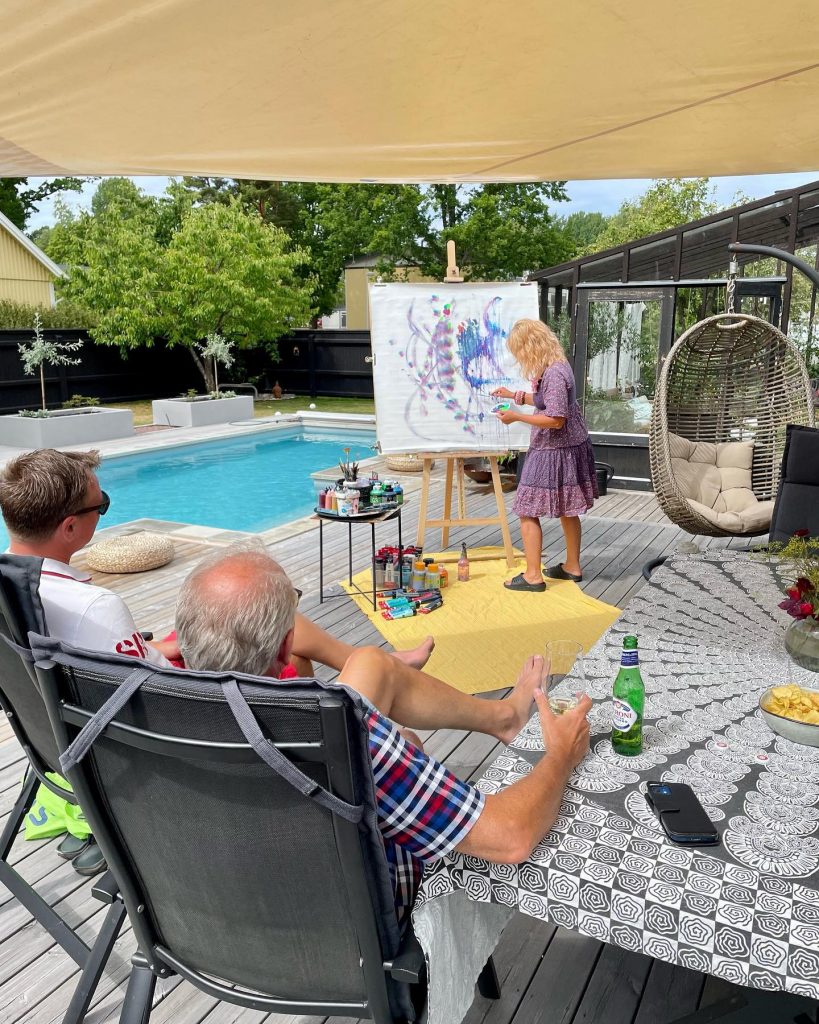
<point>439,350</point>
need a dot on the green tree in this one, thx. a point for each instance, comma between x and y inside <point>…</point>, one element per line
<point>581,229</point>
<point>500,230</point>
<point>149,274</point>
<point>667,203</point>
<point>34,355</point>
<point>18,201</point>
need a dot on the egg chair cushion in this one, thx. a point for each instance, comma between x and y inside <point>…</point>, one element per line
<point>754,518</point>
<point>716,475</point>
<point>716,481</point>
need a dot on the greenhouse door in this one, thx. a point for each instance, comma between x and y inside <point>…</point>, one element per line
<point>623,335</point>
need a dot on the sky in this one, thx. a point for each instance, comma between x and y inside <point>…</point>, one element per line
<point>601,196</point>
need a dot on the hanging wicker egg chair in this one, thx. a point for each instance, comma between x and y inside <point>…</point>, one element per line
<point>726,392</point>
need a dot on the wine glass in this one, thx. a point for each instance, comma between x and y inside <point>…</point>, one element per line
<point>563,658</point>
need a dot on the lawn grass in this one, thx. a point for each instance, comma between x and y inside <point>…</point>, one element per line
<point>143,415</point>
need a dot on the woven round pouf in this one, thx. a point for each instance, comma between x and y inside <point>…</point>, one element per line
<point>405,463</point>
<point>132,552</point>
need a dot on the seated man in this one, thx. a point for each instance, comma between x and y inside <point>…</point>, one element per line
<point>236,612</point>
<point>52,502</point>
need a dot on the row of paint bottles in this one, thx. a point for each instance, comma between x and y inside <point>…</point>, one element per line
<point>427,575</point>
<point>386,494</point>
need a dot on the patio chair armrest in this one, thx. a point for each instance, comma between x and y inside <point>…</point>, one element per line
<point>408,964</point>
<point>106,889</point>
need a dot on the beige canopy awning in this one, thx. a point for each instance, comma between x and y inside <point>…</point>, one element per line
<point>397,90</point>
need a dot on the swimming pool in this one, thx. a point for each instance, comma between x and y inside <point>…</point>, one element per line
<point>249,483</point>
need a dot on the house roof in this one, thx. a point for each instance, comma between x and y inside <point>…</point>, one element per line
<point>541,90</point>
<point>27,243</point>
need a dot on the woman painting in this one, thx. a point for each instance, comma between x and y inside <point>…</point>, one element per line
<point>558,478</point>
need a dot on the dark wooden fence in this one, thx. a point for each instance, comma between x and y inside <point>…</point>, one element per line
<point>328,363</point>
<point>103,372</point>
<point>333,364</point>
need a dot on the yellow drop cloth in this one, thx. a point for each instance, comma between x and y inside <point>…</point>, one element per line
<point>483,632</point>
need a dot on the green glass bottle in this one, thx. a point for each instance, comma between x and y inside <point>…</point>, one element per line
<point>629,695</point>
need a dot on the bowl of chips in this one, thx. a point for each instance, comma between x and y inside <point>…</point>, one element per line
<point>793,712</point>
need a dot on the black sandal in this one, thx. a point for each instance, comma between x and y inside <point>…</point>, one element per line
<point>557,572</point>
<point>521,583</point>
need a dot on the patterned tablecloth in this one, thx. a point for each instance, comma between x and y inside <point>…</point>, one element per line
<point>711,640</point>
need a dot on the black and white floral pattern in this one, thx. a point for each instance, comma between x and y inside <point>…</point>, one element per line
<point>710,639</point>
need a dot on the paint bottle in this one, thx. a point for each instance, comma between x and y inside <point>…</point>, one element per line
<point>399,494</point>
<point>394,602</point>
<point>340,505</point>
<point>379,573</point>
<point>376,493</point>
<point>399,613</point>
<point>406,570</point>
<point>387,494</point>
<point>463,565</point>
<point>320,500</point>
<point>419,576</point>
<point>433,580</point>
<point>389,576</point>
<point>443,572</point>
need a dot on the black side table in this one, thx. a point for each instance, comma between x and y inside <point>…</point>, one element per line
<point>368,519</point>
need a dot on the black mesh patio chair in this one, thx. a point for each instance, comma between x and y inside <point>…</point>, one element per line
<point>797,499</point>
<point>239,818</point>
<point>21,611</point>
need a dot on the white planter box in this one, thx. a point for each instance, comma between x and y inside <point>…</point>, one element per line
<point>180,412</point>
<point>65,428</point>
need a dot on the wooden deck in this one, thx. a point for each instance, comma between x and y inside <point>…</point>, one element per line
<point>548,974</point>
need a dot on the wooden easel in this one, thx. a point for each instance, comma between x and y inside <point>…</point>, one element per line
<point>455,470</point>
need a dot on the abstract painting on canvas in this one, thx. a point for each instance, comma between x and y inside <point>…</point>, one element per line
<point>438,353</point>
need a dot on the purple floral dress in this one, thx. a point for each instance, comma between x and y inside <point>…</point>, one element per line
<point>558,477</point>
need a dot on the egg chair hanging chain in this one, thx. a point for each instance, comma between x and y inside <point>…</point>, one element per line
<point>731,286</point>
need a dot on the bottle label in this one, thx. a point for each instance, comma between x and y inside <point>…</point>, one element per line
<point>629,659</point>
<point>624,716</point>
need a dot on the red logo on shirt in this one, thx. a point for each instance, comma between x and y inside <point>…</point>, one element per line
<point>134,647</point>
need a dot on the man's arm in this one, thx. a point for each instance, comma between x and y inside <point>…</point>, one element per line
<point>514,821</point>
<point>107,625</point>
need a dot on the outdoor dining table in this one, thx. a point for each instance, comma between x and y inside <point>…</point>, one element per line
<point>747,910</point>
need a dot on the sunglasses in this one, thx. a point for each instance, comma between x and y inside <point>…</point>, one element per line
<point>102,508</point>
<point>298,594</point>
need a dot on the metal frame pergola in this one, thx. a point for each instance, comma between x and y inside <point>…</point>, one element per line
<point>694,256</point>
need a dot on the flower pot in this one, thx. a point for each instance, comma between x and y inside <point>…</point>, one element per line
<point>478,474</point>
<point>802,643</point>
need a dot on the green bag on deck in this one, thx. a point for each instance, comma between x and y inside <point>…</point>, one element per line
<point>50,815</point>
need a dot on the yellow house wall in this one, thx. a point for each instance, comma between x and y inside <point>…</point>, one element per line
<point>356,296</point>
<point>22,277</point>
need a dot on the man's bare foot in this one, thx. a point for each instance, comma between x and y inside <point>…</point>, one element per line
<point>516,707</point>
<point>418,656</point>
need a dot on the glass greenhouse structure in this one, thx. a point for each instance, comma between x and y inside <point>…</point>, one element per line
<point>618,312</point>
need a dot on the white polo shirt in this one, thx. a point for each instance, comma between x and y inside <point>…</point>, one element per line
<point>87,616</point>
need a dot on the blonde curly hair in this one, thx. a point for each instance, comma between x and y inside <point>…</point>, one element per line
<point>535,346</point>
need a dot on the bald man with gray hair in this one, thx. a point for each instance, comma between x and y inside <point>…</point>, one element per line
<point>236,613</point>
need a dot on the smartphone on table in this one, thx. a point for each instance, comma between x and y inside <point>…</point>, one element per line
<point>681,815</point>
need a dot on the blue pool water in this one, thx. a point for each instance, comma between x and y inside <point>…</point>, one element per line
<point>246,483</point>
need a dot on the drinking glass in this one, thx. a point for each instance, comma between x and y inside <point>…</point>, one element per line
<point>563,658</point>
